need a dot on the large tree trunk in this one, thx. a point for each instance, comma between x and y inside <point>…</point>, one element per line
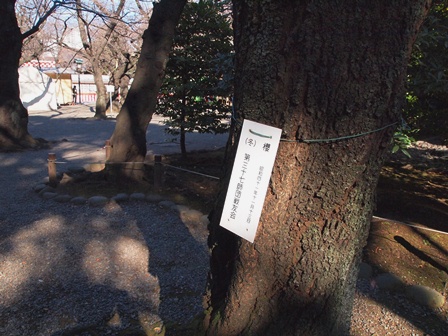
<point>128,141</point>
<point>317,70</point>
<point>101,92</point>
<point>13,115</point>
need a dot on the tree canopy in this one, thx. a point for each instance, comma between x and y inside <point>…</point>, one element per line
<point>427,109</point>
<point>195,94</point>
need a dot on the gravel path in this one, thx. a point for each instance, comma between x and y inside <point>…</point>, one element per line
<point>66,266</point>
<point>81,270</point>
<point>76,267</point>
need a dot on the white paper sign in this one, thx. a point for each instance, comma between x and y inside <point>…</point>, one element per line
<point>249,181</point>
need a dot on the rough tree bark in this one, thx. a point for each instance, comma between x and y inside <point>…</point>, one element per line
<point>13,115</point>
<point>317,70</point>
<point>121,79</point>
<point>128,141</point>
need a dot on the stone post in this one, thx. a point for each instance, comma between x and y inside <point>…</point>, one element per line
<point>158,171</point>
<point>107,147</point>
<point>52,169</point>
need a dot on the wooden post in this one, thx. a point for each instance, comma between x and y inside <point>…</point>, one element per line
<point>158,172</point>
<point>52,169</point>
<point>107,147</point>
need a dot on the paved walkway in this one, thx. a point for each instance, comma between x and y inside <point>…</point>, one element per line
<point>80,140</point>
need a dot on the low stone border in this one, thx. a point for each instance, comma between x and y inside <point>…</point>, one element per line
<point>387,281</point>
<point>50,193</point>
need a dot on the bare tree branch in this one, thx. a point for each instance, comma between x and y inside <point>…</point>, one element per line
<point>41,20</point>
<point>142,11</point>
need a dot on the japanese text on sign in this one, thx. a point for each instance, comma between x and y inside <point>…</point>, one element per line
<point>250,178</point>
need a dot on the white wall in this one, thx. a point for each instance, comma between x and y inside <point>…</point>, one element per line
<point>37,90</point>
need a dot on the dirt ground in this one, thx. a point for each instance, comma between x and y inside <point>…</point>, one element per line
<point>408,236</point>
<point>411,191</point>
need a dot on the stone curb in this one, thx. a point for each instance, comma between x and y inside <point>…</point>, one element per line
<point>422,295</point>
<point>49,193</point>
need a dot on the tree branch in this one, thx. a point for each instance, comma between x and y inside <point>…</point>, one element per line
<point>141,10</point>
<point>41,20</point>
